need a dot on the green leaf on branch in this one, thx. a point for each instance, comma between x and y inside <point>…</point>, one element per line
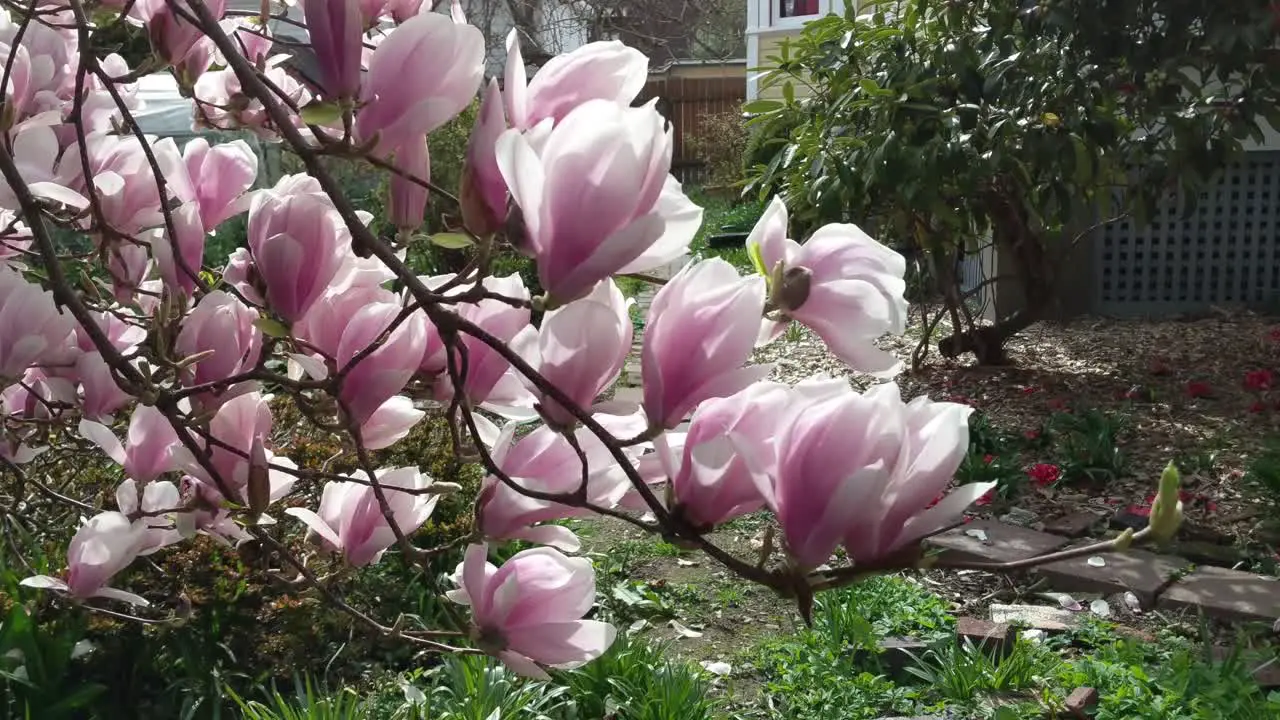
<point>321,113</point>
<point>451,241</point>
<point>762,106</point>
<point>271,327</point>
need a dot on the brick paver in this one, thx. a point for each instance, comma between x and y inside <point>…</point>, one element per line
<point>1226,595</point>
<point>1141,572</point>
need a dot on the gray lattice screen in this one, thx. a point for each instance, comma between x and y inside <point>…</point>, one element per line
<point>1227,251</point>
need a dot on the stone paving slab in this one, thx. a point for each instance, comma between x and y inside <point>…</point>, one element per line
<point>628,394</point>
<point>1226,595</point>
<point>1073,525</point>
<point>1143,573</point>
<point>1003,542</point>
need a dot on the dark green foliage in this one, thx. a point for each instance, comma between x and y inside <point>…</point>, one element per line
<point>952,124</point>
<point>1089,443</point>
<point>38,676</point>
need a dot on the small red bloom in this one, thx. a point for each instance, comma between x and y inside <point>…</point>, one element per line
<point>1275,334</point>
<point>1028,390</point>
<point>1211,506</point>
<point>1259,379</point>
<point>1058,404</point>
<point>1199,389</point>
<point>988,458</point>
<point>1044,474</point>
<point>1139,510</point>
<point>1258,407</point>
<point>986,499</point>
<point>1031,434</point>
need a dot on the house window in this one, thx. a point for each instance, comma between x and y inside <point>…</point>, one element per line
<point>797,8</point>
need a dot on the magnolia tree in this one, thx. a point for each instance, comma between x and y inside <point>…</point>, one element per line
<point>169,366</point>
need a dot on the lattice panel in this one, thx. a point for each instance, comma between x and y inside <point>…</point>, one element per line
<point>1227,251</point>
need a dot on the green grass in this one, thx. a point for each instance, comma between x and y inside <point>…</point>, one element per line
<point>635,680</point>
<point>834,671</point>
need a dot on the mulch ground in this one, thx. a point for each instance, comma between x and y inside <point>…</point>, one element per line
<point>1203,392</point>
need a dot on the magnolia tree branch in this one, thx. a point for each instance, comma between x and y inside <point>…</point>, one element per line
<point>201,404</point>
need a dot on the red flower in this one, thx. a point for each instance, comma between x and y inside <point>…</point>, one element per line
<point>1058,404</point>
<point>1139,510</point>
<point>1275,334</point>
<point>1211,506</point>
<point>1259,379</point>
<point>1031,434</point>
<point>1028,390</point>
<point>988,458</point>
<point>936,500</point>
<point>1044,474</point>
<point>1258,407</point>
<point>986,498</point>
<point>1199,389</point>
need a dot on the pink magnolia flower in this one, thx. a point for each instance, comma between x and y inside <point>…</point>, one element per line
<point>581,348</point>
<point>172,37</point>
<point>605,70</point>
<point>221,176</point>
<point>151,447</point>
<point>596,198</point>
<point>15,239</point>
<point>545,461</point>
<point>325,323</point>
<point>101,548</point>
<point>222,104</point>
<point>241,423</point>
<point>223,325</point>
<point>241,274</point>
<point>702,327</point>
<point>298,244</point>
<point>336,31</point>
<point>529,612</point>
<point>713,480</point>
<point>484,193</point>
<point>369,12</point>
<point>36,395</point>
<point>101,396</point>
<point>841,283</point>
<point>351,520</point>
<point>120,332</point>
<point>408,92</point>
<point>407,200</point>
<point>124,182</point>
<point>402,10</point>
<point>151,498</point>
<point>210,517</point>
<point>32,329</point>
<point>179,270</point>
<point>376,377</point>
<point>251,37</point>
<point>486,370</point>
<point>863,470</point>
<point>36,151</point>
<point>129,264</point>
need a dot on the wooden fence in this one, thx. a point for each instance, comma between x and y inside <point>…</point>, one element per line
<point>686,94</point>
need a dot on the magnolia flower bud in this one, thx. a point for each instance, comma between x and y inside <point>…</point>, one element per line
<point>258,492</point>
<point>793,290</point>
<point>1166,511</point>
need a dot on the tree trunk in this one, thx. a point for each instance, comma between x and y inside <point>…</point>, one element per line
<point>1011,230</point>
